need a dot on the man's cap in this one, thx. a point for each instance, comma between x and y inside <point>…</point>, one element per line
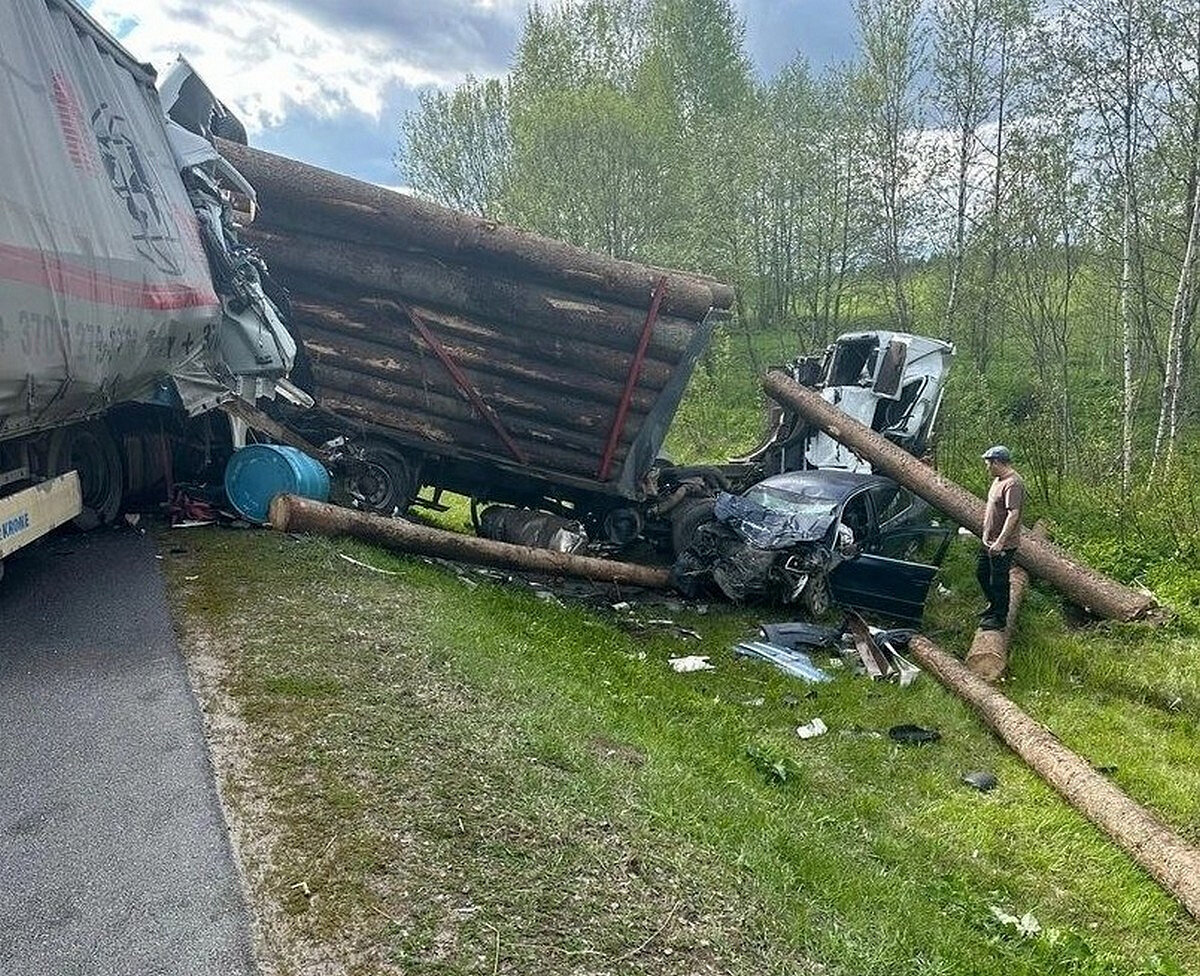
<point>998,452</point>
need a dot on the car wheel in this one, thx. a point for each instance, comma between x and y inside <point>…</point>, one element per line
<point>686,520</point>
<point>89,449</point>
<point>385,482</point>
<point>815,597</point>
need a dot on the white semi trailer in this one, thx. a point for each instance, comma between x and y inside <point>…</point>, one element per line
<point>125,297</point>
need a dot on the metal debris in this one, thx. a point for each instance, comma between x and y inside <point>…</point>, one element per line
<point>796,663</point>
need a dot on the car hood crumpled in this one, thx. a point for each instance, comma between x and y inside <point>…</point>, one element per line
<point>766,529</point>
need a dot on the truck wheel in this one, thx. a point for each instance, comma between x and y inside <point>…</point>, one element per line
<point>686,519</point>
<point>384,481</point>
<point>89,448</point>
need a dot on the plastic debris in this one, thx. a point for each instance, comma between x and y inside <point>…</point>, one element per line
<point>913,735</point>
<point>810,730</point>
<point>981,780</point>
<point>693,662</point>
<point>1027,925</point>
<point>362,565</point>
<point>799,634</point>
<point>796,663</point>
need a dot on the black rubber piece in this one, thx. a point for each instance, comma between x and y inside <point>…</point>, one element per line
<point>981,780</point>
<point>913,735</point>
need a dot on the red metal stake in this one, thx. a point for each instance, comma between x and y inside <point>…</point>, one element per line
<point>635,371</point>
<point>464,384</point>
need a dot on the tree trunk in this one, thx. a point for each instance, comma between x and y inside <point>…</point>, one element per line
<point>290,513</point>
<point>1168,858</point>
<point>1101,595</point>
<point>384,322</point>
<point>297,196</point>
<point>321,267</point>
<point>515,377</point>
<point>1168,411</point>
<point>988,656</point>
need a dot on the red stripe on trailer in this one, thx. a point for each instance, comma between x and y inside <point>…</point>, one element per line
<point>635,371</point>
<point>32,266</point>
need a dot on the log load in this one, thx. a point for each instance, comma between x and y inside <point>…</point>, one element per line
<point>988,655</point>
<point>290,513</point>
<point>463,336</point>
<point>1168,857</point>
<point>1097,593</point>
<point>306,198</point>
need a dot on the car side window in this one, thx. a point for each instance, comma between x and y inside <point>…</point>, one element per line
<point>856,516</point>
<point>891,501</point>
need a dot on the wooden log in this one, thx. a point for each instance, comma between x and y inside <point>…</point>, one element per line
<point>1096,592</point>
<point>340,266</point>
<point>453,406</point>
<point>988,656</point>
<point>1167,856</point>
<point>306,197</point>
<point>290,513</point>
<point>363,319</point>
<point>520,378</point>
<point>440,435</point>
<point>577,421</point>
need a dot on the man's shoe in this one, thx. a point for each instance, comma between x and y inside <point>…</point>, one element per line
<point>991,623</point>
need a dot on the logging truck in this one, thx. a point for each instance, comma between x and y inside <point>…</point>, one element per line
<point>449,351</point>
<point>127,305</point>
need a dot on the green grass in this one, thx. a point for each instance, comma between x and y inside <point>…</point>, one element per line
<point>471,779</point>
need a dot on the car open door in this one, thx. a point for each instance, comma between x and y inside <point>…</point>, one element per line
<point>893,573</point>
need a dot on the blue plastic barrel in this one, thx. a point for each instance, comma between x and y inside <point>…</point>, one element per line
<point>259,472</point>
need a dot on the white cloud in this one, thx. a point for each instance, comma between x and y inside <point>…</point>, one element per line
<point>265,59</point>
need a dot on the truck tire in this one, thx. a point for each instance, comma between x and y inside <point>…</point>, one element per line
<point>89,448</point>
<point>686,519</point>
<point>385,481</point>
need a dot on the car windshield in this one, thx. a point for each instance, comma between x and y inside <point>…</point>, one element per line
<point>804,500</point>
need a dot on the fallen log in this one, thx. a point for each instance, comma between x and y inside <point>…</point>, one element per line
<point>988,656</point>
<point>290,513</point>
<point>293,194</point>
<point>1167,856</point>
<point>1099,594</point>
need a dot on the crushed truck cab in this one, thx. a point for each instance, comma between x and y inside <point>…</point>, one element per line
<point>892,382</point>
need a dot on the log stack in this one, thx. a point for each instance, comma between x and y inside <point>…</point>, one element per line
<point>546,335</point>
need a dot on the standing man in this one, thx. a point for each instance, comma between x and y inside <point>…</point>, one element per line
<point>1001,533</point>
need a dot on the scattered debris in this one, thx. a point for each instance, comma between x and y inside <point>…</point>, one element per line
<point>798,634</point>
<point>693,662</point>
<point>362,565</point>
<point>1027,925</point>
<point>796,663</point>
<point>981,780</point>
<point>873,659</point>
<point>810,730</point>
<point>913,735</point>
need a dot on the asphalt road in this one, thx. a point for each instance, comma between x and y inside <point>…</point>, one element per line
<point>114,858</point>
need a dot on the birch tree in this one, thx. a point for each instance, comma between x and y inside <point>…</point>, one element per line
<point>892,51</point>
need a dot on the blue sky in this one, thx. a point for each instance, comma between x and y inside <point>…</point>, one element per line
<point>327,81</point>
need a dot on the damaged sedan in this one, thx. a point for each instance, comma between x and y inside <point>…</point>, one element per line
<point>819,538</point>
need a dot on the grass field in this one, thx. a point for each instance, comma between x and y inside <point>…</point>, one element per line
<point>430,772</point>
